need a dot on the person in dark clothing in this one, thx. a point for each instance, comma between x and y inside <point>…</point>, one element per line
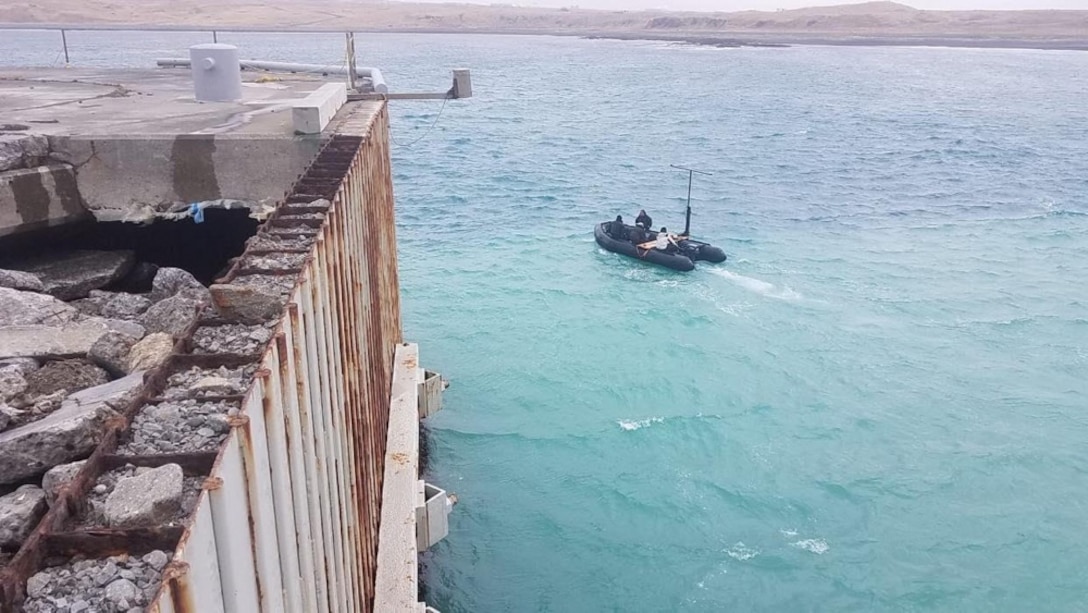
<point>643,220</point>
<point>617,230</point>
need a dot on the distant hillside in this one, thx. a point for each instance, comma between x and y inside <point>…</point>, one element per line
<point>872,20</point>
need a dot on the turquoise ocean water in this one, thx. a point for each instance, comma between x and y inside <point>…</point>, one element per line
<point>878,403</point>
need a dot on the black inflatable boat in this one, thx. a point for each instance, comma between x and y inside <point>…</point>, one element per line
<point>683,259</point>
<point>628,241</point>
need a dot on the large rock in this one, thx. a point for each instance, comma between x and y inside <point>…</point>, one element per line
<point>148,499</point>
<point>68,375</point>
<point>68,434</point>
<point>119,305</point>
<point>44,341</point>
<point>245,304</point>
<point>6,415</point>
<point>17,279</point>
<point>22,150</point>
<point>151,352</point>
<point>12,382</point>
<point>57,477</point>
<point>111,352</point>
<point>20,512</point>
<point>74,274</point>
<point>172,315</point>
<point>172,281</point>
<point>18,308</point>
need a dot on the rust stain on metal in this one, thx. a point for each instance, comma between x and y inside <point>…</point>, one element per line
<point>212,483</point>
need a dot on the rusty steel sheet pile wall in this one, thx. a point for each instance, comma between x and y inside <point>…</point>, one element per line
<point>287,515</point>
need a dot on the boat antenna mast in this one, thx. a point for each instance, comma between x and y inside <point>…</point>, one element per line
<point>687,216</point>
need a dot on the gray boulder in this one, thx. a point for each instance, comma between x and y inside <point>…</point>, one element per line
<point>172,315</point>
<point>57,477</point>
<point>119,305</point>
<point>17,279</point>
<point>111,352</point>
<point>20,512</point>
<point>12,382</point>
<point>147,499</point>
<point>73,274</point>
<point>68,434</point>
<point>172,281</point>
<point>18,308</point>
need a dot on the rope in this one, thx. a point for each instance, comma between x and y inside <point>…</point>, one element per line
<point>433,124</point>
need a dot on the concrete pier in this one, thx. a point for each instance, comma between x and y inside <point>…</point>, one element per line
<point>259,432</point>
<point>145,130</point>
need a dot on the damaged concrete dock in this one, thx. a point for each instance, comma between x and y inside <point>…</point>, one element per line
<point>202,369</point>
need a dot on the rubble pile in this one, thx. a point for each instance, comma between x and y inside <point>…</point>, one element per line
<point>81,334</point>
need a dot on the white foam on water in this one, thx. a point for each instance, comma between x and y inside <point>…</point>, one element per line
<point>758,286</point>
<point>788,533</point>
<point>816,546</point>
<point>631,424</point>
<point>742,552</point>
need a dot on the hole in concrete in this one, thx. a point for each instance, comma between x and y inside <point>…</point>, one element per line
<point>203,249</point>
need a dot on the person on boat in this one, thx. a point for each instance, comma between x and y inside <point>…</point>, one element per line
<point>617,230</point>
<point>643,220</point>
<point>664,241</point>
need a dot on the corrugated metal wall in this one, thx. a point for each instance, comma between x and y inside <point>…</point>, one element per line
<point>289,518</point>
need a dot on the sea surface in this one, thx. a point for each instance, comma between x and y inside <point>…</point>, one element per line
<point>879,402</point>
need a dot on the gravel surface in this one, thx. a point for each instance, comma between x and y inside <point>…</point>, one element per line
<point>232,338</point>
<point>277,242</point>
<point>200,382</point>
<point>117,584</point>
<point>274,261</point>
<point>95,517</point>
<point>178,427</point>
<point>292,215</point>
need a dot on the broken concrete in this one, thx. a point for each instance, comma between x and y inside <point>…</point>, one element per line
<point>39,197</point>
<point>147,499</point>
<point>19,308</point>
<point>115,305</point>
<point>199,382</point>
<point>22,150</point>
<point>12,382</point>
<point>70,433</point>
<point>179,427</point>
<point>17,279</point>
<point>57,477</point>
<point>246,305</point>
<point>74,274</point>
<point>42,341</point>
<point>20,512</point>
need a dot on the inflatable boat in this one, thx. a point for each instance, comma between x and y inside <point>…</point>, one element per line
<point>683,259</point>
<point>637,242</point>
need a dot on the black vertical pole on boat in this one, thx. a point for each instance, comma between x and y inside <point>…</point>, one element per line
<point>687,216</point>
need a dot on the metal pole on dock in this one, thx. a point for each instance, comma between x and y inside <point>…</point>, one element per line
<point>215,36</point>
<point>64,41</point>
<point>350,48</point>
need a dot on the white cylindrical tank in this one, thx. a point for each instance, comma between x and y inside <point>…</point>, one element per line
<point>217,74</point>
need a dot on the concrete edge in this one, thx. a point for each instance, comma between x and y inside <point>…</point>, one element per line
<point>396,586</point>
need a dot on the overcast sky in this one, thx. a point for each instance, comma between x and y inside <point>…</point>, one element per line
<point>770,5</point>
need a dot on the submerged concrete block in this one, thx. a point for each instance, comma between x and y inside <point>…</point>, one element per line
<point>39,197</point>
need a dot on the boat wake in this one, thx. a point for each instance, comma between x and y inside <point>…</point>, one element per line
<point>760,287</point>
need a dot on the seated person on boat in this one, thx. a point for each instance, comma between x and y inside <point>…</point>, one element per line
<point>617,230</point>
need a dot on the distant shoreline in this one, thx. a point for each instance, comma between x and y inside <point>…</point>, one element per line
<point>737,40</point>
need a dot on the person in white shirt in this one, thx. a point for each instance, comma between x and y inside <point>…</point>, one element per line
<point>663,240</point>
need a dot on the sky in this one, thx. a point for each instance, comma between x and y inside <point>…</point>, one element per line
<point>770,5</point>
